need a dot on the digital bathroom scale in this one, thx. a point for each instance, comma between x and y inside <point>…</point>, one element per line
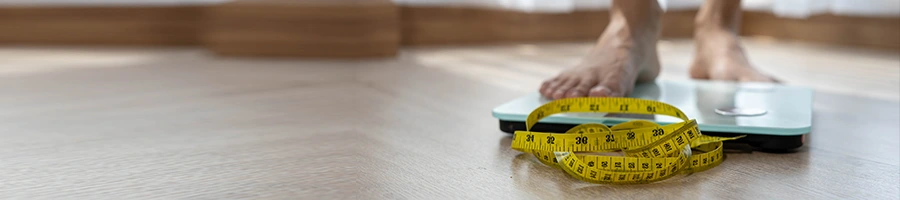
<point>773,117</point>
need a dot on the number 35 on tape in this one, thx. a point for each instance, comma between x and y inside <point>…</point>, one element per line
<point>652,152</point>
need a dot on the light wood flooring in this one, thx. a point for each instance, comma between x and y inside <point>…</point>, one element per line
<point>178,123</point>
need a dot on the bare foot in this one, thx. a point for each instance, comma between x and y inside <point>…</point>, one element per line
<point>611,69</point>
<point>624,55</point>
<point>719,56</point>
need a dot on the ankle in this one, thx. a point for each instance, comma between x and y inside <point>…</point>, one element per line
<point>623,33</point>
<point>718,16</point>
<point>635,21</point>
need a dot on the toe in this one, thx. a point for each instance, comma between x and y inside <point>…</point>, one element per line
<point>603,91</point>
<point>600,91</point>
<point>549,86</point>
<point>560,91</point>
<point>580,90</point>
<point>577,92</point>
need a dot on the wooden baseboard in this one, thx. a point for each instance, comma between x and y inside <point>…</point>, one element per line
<point>176,25</point>
<point>360,28</point>
<point>463,25</point>
<point>867,32</point>
<point>451,25</point>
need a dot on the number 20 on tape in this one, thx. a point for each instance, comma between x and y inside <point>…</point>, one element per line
<point>652,152</point>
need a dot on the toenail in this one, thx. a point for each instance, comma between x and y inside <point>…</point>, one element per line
<point>601,91</point>
<point>558,94</point>
<point>574,94</point>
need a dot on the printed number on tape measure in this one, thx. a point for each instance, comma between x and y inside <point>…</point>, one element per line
<point>652,152</point>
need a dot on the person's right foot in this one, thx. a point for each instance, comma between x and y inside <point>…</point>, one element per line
<point>624,55</point>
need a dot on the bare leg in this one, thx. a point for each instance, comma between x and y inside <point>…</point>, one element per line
<point>719,55</point>
<point>624,54</point>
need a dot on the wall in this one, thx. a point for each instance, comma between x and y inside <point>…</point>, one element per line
<point>424,22</point>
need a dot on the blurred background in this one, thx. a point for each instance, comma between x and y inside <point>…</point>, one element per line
<point>230,98</point>
<point>383,26</point>
<point>789,38</point>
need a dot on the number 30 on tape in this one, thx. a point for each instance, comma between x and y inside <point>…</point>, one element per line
<point>652,152</point>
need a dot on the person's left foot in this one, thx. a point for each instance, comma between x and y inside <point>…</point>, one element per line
<point>719,56</point>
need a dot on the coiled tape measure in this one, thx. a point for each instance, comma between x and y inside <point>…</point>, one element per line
<point>652,152</point>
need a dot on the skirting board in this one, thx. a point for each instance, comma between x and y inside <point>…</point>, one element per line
<point>311,28</point>
<point>459,25</point>
<point>868,32</point>
<point>196,25</point>
<point>456,25</point>
<point>88,25</point>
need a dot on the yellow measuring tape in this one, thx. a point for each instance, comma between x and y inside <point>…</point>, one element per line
<point>652,152</point>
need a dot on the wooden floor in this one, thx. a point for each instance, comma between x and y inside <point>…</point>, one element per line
<point>182,124</point>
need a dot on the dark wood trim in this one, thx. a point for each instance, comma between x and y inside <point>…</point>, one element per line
<point>867,32</point>
<point>453,25</point>
<point>304,29</point>
<point>364,28</point>
<point>151,25</point>
<point>462,25</point>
